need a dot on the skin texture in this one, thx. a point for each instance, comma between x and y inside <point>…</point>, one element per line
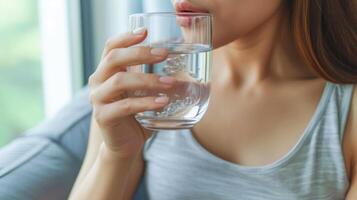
<point>269,96</point>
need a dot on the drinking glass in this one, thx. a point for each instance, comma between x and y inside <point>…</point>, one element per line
<point>188,38</point>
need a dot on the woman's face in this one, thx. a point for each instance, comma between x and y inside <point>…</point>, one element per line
<point>232,19</point>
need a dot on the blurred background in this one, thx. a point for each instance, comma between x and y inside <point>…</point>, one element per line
<point>48,49</point>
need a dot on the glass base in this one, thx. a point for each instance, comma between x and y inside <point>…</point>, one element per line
<point>166,124</point>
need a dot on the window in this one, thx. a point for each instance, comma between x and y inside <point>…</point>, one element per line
<point>40,61</point>
<point>21,102</point>
<point>61,52</point>
<point>48,49</point>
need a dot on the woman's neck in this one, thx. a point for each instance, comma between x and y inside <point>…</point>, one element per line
<point>266,53</point>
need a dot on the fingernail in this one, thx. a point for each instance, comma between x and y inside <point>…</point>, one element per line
<point>139,31</point>
<point>161,100</point>
<point>167,80</point>
<point>158,51</point>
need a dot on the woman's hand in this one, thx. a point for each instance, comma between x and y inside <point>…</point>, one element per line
<point>112,108</point>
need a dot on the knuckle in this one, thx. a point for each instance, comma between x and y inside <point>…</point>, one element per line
<point>99,116</point>
<point>111,56</point>
<point>141,52</point>
<point>146,80</point>
<point>91,80</point>
<point>102,117</point>
<point>145,104</point>
<point>151,84</point>
<point>118,78</point>
<point>126,106</point>
<point>109,42</point>
<point>93,96</point>
<point>151,80</point>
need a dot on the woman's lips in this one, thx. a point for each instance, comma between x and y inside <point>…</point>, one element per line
<point>185,6</point>
<point>184,21</point>
<point>185,11</point>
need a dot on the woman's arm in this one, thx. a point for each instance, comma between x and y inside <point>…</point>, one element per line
<point>113,163</point>
<point>107,177</point>
<point>90,160</point>
<point>351,133</point>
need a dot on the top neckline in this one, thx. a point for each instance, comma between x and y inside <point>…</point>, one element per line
<point>321,106</point>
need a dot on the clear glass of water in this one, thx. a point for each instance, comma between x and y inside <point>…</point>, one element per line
<point>188,37</point>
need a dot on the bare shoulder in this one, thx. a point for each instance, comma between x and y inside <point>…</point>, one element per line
<point>353,111</point>
<point>350,136</point>
<point>352,120</point>
<point>351,126</point>
<point>350,147</point>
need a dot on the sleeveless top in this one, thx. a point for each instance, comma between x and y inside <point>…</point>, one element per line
<point>179,168</point>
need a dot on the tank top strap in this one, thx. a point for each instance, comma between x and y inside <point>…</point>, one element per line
<point>343,96</point>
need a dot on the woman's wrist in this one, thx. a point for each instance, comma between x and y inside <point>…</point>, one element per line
<point>108,155</point>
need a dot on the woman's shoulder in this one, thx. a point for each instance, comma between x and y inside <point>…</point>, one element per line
<point>351,125</point>
<point>350,135</point>
<point>352,120</point>
<point>350,144</point>
<point>354,100</point>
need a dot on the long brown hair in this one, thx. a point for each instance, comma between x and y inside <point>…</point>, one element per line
<point>325,33</point>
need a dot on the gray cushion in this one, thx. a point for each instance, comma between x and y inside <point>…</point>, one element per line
<point>44,162</point>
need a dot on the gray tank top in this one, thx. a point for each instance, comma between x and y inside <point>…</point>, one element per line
<point>179,168</point>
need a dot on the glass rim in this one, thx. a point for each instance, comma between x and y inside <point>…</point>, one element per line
<point>193,14</point>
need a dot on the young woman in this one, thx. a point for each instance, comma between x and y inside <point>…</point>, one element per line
<point>282,119</point>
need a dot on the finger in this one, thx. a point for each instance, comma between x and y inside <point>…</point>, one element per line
<point>118,59</point>
<point>122,82</point>
<point>125,40</point>
<point>111,114</point>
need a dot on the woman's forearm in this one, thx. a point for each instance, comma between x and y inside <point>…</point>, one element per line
<point>108,178</point>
